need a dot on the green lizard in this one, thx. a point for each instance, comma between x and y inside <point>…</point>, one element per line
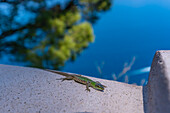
<point>81,79</point>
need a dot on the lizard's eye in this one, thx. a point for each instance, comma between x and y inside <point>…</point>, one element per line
<point>96,85</point>
<point>99,85</point>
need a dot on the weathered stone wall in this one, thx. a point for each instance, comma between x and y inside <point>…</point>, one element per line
<point>157,91</point>
<point>29,90</point>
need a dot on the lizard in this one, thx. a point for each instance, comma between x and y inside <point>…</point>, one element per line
<point>80,79</point>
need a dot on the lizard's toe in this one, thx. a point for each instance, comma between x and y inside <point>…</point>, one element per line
<point>88,90</point>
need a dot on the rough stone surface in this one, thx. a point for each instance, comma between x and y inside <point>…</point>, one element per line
<point>29,90</point>
<point>157,91</point>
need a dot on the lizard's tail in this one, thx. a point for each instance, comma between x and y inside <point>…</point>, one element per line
<point>58,72</point>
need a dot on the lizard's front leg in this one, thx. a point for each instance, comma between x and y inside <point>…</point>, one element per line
<point>87,86</point>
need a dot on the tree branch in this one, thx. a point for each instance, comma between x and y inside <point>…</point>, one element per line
<point>12,31</point>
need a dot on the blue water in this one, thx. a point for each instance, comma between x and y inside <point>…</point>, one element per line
<point>129,29</point>
<point>128,34</point>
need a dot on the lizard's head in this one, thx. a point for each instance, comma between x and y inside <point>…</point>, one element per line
<point>99,86</point>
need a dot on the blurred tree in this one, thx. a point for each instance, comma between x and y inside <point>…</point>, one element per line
<point>46,34</point>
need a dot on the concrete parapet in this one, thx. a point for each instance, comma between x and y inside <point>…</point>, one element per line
<point>33,90</point>
<point>157,91</point>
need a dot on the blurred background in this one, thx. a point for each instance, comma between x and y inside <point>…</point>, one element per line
<point>108,39</point>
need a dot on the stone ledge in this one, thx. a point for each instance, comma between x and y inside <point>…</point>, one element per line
<point>33,90</point>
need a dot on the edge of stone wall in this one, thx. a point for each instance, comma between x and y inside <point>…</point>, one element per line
<point>157,92</point>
